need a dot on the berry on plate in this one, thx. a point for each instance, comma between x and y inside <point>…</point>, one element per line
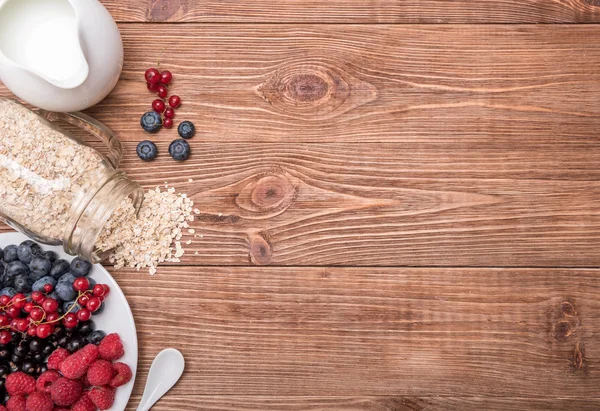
<point>57,357</point>
<point>16,403</point>
<point>100,373</point>
<point>45,381</point>
<point>84,404</point>
<point>102,397</point>
<point>76,365</point>
<point>123,376</point>
<point>65,391</point>
<point>39,401</point>
<point>19,383</point>
<point>111,347</point>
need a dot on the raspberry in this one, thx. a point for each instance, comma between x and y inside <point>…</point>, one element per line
<point>45,381</point>
<point>123,375</point>
<point>77,364</point>
<point>19,383</point>
<point>111,347</point>
<point>100,373</point>
<point>38,401</point>
<point>57,357</point>
<point>16,403</point>
<point>57,408</point>
<point>3,408</point>
<point>65,391</point>
<point>102,397</point>
<point>84,404</point>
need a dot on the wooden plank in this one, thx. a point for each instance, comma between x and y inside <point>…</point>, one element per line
<point>356,11</point>
<point>453,145</point>
<point>357,332</point>
<point>435,204</point>
<point>254,403</point>
<point>337,83</point>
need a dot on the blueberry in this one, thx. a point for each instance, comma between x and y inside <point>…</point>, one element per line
<point>10,291</point>
<point>27,250</point>
<point>151,122</point>
<point>96,336</point>
<point>10,253</point>
<point>65,291</point>
<point>92,283</point>
<point>50,256</point>
<point>146,150</point>
<point>67,306</point>
<point>59,268</point>
<point>39,284</point>
<point>80,268</point>
<point>179,149</point>
<point>186,129</point>
<point>54,295</point>
<point>67,278</point>
<point>16,268</point>
<point>22,283</point>
<point>39,267</point>
<point>1,253</point>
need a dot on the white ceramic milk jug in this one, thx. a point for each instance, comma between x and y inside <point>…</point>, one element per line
<point>59,55</point>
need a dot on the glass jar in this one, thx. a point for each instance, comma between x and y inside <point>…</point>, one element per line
<point>53,186</point>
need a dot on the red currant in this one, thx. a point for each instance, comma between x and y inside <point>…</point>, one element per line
<point>166,77</point>
<point>99,290</point>
<point>13,312</point>
<point>37,296</point>
<point>170,112</point>
<point>101,298</point>
<point>52,317</point>
<point>83,300</point>
<point>44,330</point>
<point>21,324</point>
<point>94,304</point>
<point>5,337</point>
<point>152,76</point>
<point>48,288</point>
<point>5,299</point>
<point>50,305</point>
<point>70,320</point>
<point>81,284</point>
<point>163,92</point>
<point>19,300</point>
<point>32,330</point>
<point>106,289</point>
<point>4,320</point>
<point>37,314</point>
<point>158,105</point>
<point>153,87</point>
<point>28,307</point>
<point>84,314</point>
<point>174,101</point>
<point>168,122</point>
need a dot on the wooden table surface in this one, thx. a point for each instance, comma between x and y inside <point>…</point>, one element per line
<point>400,202</point>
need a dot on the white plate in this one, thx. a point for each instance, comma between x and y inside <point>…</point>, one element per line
<point>116,317</point>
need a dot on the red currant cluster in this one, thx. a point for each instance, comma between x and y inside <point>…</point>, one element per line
<point>38,316</point>
<point>157,82</point>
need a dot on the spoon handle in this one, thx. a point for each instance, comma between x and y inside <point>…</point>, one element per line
<point>165,371</point>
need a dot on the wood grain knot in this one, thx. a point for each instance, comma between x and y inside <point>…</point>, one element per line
<point>567,309</point>
<point>266,195</point>
<point>562,330</point>
<point>577,358</point>
<point>316,91</point>
<point>163,10</point>
<point>260,250</point>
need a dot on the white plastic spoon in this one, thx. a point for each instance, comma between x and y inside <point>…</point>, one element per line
<point>165,371</point>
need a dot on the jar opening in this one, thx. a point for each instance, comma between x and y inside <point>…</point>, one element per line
<point>90,223</point>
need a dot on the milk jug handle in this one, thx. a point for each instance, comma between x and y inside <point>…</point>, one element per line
<point>94,127</point>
